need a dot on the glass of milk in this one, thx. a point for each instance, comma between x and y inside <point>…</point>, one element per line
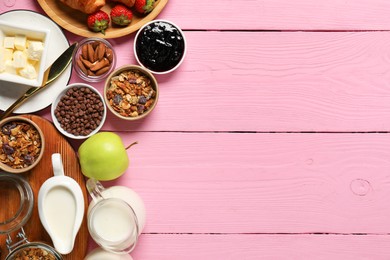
<point>112,222</point>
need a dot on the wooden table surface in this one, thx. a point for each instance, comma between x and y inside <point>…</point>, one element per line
<point>271,141</point>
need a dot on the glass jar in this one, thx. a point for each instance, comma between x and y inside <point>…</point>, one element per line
<point>16,189</point>
<point>34,249</point>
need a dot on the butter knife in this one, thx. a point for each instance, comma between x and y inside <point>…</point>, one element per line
<point>50,74</point>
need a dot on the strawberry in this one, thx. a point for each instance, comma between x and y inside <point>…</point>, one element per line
<point>144,6</point>
<point>98,21</point>
<point>121,15</point>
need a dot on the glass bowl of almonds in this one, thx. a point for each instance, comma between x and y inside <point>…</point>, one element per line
<point>131,92</point>
<point>21,144</point>
<point>94,59</point>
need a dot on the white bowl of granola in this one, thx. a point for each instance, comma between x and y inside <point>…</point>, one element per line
<point>21,144</point>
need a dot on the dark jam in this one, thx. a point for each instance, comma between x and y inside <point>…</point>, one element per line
<point>160,46</point>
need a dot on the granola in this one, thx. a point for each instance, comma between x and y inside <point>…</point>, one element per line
<point>131,93</point>
<point>20,144</point>
<point>34,253</point>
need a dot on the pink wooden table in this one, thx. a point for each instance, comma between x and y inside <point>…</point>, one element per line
<point>272,139</point>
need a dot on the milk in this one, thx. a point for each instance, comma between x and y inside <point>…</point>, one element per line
<point>131,197</point>
<point>113,223</point>
<point>60,211</point>
<point>116,217</point>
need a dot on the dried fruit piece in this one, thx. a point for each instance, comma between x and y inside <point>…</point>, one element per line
<point>117,99</point>
<point>142,100</point>
<point>8,150</point>
<point>7,128</point>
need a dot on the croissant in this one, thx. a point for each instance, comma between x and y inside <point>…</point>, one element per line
<point>85,6</point>
<point>129,3</point>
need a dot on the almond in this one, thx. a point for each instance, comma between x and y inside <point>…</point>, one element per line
<point>102,70</point>
<point>91,52</point>
<point>87,63</point>
<point>100,64</point>
<point>81,66</point>
<point>101,50</point>
<point>84,51</point>
<point>109,55</point>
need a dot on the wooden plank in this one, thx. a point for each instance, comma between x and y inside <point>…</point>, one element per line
<point>268,14</point>
<point>275,82</point>
<point>261,183</point>
<point>281,15</point>
<point>255,247</point>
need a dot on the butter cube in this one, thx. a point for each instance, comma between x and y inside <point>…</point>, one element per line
<point>35,63</point>
<point>28,72</point>
<point>19,59</point>
<point>35,50</point>
<point>2,53</point>
<point>20,42</point>
<point>5,55</point>
<point>9,67</point>
<point>9,42</point>
<point>8,54</point>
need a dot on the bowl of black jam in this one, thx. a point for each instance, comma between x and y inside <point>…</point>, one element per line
<point>160,46</point>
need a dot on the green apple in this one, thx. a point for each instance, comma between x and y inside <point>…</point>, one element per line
<point>103,156</point>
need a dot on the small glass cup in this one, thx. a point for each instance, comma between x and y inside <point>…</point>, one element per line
<point>112,222</point>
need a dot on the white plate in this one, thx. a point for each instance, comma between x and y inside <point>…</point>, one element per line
<point>9,92</point>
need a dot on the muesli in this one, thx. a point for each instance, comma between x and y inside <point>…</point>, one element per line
<point>20,144</point>
<point>131,93</point>
<point>34,253</point>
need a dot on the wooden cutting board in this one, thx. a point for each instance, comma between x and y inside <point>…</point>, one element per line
<point>54,143</point>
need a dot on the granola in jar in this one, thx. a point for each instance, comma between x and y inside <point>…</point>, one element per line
<point>131,93</point>
<point>35,253</point>
<point>20,144</point>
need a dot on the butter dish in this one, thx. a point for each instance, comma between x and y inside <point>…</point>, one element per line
<point>23,51</point>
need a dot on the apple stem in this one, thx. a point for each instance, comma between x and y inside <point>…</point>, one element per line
<point>131,145</point>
